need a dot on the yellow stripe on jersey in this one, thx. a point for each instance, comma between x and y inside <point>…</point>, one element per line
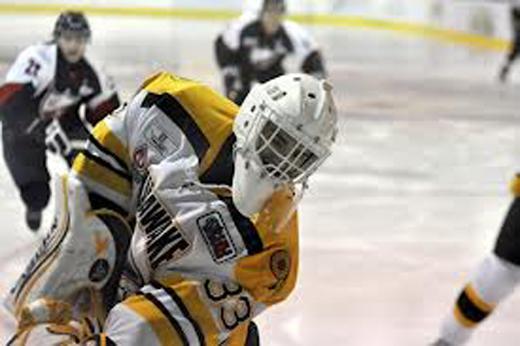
<point>100,174</point>
<point>104,136</point>
<point>213,113</point>
<point>164,331</point>
<point>188,292</point>
<point>514,186</point>
<point>270,276</point>
<point>238,336</point>
<point>217,122</point>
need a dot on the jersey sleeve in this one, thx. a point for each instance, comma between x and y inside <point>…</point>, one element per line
<point>21,83</point>
<point>104,167</point>
<point>225,53</point>
<point>306,50</point>
<point>228,62</point>
<point>17,106</point>
<point>27,68</point>
<point>228,56</point>
<point>181,311</point>
<point>106,101</point>
<point>231,36</point>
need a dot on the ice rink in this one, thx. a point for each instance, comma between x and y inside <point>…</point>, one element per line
<point>395,221</point>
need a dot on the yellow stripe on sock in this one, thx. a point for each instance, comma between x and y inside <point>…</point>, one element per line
<point>475,299</point>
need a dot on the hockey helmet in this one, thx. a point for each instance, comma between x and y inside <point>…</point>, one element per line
<point>285,130</point>
<point>276,5</point>
<point>74,22</point>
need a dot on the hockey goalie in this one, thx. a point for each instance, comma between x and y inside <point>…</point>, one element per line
<point>178,224</point>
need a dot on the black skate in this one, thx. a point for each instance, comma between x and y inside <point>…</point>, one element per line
<point>253,337</point>
<point>33,218</point>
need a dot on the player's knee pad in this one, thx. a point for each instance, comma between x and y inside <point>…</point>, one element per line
<point>82,251</point>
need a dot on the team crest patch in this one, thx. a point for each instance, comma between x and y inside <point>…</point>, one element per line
<point>141,158</point>
<point>280,264</point>
<point>99,270</point>
<point>217,237</point>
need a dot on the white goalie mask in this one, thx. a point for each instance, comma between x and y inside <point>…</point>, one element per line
<point>284,129</point>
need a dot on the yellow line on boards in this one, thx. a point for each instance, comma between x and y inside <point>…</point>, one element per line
<point>422,30</point>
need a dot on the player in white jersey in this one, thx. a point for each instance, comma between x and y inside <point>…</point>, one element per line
<point>178,224</point>
<point>492,281</point>
<point>255,47</point>
<point>51,95</point>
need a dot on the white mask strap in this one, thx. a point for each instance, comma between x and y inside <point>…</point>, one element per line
<point>297,198</point>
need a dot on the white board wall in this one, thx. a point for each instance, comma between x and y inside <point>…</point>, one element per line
<point>473,16</point>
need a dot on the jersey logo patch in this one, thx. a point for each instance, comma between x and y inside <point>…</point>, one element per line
<point>280,264</point>
<point>164,241</point>
<point>141,158</point>
<point>160,141</point>
<point>217,237</point>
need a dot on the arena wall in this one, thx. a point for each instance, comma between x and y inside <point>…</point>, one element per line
<point>477,23</point>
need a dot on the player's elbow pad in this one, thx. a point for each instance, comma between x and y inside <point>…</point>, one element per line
<point>17,104</point>
<point>104,108</point>
<point>314,65</point>
<point>225,56</point>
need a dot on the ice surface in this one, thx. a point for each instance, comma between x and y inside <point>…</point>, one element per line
<point>409,203</point>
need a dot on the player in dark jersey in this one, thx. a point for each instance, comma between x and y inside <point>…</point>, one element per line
<point>254,48</point>
<point>51,96</point>
<point>515,45</point>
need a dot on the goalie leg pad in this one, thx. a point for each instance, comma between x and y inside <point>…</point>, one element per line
<point>81,251</point>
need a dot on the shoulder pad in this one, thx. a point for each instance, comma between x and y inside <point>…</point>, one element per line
<point>34,65</point>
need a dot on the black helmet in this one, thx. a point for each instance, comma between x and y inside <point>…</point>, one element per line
<point>280,4</point>
<point>72,21</point>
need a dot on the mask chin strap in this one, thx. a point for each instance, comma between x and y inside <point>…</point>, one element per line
<point>321,106</point>
<point>298,195</point>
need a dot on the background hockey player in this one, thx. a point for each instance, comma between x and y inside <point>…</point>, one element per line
<point>213,191</point>
<point>254,48</point>
<point>492,282</point>
<point>514,50</point>
<point>46,90</point>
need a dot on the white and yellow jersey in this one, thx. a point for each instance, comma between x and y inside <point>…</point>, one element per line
<point>204,270</point>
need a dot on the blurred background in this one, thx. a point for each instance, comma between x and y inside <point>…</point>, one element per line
<point>416,188</point>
